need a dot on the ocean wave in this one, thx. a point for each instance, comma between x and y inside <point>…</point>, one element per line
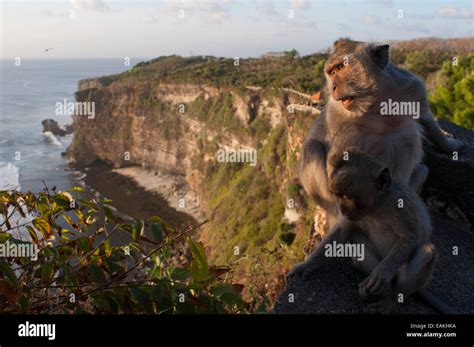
<point>10,180</point>
<point>51,139</point>
<point>9,176</point>
<point>79,176</point>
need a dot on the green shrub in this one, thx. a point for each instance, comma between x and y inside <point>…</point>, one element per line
<point>453,97</point>
<point>77,260</point>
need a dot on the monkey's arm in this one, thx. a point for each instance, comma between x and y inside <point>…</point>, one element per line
<point>338,233</point>
<point>380,278</point>
<point>418,177</point>
<point>313,173</point>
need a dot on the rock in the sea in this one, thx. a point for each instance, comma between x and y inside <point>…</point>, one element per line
<point>52,126</point>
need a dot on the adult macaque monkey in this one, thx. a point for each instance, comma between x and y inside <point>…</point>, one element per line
<point>388,218</point>
<point>360,79</point>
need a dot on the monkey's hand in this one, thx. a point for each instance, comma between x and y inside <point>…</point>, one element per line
<point>377,283</point>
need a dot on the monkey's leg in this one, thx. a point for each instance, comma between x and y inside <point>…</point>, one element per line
<point>313,174</point>
<point>371,257</point>
<point>436,135</point>
<point>338,233</point>
<point>418,177</point>
<point>416,273</point>
<point>375,303</point>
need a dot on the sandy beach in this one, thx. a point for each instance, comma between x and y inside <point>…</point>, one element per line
<point>142,194</point>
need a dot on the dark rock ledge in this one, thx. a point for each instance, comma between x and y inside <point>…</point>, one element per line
<point>59,130</point>
<point>449,192</point>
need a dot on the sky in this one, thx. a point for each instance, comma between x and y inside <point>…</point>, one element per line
<point>229,28</point>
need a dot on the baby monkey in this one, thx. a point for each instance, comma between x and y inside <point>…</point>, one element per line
<point>391,222</point>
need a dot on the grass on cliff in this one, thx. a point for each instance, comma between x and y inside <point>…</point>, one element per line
<point>246,206</point>
<point>217,112</point>
<point>288,71</point>
<point>252,222</point>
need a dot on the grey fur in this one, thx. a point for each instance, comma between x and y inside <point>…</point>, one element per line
<point>399,257</point>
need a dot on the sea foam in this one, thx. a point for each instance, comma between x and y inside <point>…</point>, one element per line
<point>9,177</point>
<point>50,138</point>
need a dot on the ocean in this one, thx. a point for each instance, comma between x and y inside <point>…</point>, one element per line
<point>30,159</point>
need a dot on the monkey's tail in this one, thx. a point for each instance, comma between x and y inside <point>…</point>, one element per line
<point>432,300</point>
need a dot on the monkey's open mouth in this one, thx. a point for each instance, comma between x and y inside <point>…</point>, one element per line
<point>347,101</point>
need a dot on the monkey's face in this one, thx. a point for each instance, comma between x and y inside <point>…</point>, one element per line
<point>353,77</point>
<point>358,193</point>
<point>355,204</point>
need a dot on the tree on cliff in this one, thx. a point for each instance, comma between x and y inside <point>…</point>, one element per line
<point>453,99</point>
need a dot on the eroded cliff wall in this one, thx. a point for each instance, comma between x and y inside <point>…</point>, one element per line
<point>167,136</point>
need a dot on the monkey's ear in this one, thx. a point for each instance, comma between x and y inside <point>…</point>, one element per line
<point>339,43</point>
<point>380,55</point>
<point>336,44</point>
<point>384,179</point>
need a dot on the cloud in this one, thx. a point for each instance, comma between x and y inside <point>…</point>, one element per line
<point>299,4</point>
<point>215,12</point>
<point>267,9</point>
<point>173,5</point>
<point>50,13</point>
<point>212,11</point>
<point>151,19</point>
<point>450,11</point>
<point>370,20</point>
<point>90,5</point>
<point>420,16</point>
<point>385,3</point>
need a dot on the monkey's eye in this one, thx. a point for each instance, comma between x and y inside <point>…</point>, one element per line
<point>340,67</point>
<point>346,197</point>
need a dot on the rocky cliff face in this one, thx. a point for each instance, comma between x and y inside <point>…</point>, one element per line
<point>161,128</point>
<point>166,137</point>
